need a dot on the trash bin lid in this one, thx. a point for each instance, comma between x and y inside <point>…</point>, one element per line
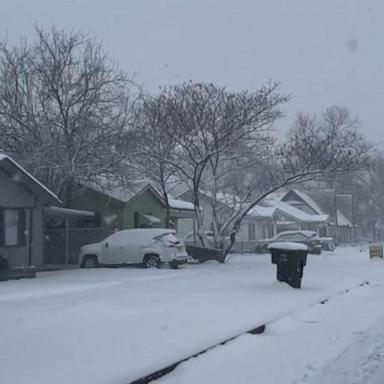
<point>288,246</point>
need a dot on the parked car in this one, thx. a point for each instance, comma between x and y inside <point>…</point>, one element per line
<point>363,241</point>
<point>149,248</point>
<point>309,238</point>
<point>327,244</point>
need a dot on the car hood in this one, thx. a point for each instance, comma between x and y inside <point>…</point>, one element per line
<point>91,248</point>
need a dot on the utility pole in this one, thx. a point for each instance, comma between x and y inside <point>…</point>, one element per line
<point>336,218</point>
<point>354,229</point>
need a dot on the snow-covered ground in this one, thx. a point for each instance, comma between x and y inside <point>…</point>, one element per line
<point>116,325</point>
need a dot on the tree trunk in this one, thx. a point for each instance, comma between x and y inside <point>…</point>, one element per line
<point>199,219</point>
<point>167,209</point>
<point>232,239</point>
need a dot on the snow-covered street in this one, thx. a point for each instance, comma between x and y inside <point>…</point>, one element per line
<point>116,325</point>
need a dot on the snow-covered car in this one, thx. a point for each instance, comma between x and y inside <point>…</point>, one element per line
<point>327,244</point>
<point>309,238</point>
<point>149,248</point>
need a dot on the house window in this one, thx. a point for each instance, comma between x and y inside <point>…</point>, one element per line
<point>323,231</point>
<point>251,231</point>
<point>12,227</point>
<point>268,230</point>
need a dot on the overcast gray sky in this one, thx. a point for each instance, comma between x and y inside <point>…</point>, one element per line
<point>324,52</point>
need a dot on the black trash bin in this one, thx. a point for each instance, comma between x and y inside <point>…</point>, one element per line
<point>290,259</point>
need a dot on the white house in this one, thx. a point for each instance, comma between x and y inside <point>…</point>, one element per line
<point>296,210</point>
<point>318,213</point>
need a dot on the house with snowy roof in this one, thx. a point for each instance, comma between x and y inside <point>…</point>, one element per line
<point>316,211</point>
<point>280,211</point>
<point>26,208</point>
<point>23,200</point>
<point>132,205</point>
<point>297,211</point>
<point>289,217</point>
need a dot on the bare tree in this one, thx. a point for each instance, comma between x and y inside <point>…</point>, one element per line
<point>154,147</point>
<point>315,147</point>
<point>205,120</point>
<point>233,177</point>
<point>64,107</point>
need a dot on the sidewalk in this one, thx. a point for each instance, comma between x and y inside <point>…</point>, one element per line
<point>341,341</point>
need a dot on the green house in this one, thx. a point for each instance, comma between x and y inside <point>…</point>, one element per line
<point>134,205</point>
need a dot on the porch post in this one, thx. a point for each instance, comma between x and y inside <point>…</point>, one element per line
<point>336,218</point>
<point>29,237</point>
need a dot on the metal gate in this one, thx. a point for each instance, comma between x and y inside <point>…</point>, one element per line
<point>62,246</point>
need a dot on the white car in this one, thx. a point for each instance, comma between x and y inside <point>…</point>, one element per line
<point>149,247</point>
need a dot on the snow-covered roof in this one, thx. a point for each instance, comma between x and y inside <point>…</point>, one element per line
<point>180,204</point>
<point>296,213</point>
<point>59,211</point>
<point>29,176</point>
<point>122,193</point>
<point>262,212</point>
<point>279,196</point>
<point>309,201</point>
<point>342,221</point>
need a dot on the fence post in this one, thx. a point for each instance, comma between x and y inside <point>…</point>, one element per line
<point>66,240</point>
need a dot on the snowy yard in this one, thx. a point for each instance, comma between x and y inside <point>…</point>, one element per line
<point>116,325</point>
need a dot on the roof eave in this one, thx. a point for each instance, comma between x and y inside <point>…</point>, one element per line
<point>51,198</point>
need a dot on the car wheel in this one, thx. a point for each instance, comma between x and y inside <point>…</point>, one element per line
<point>151,261</point>
<point>90,262</point>
<point>173,265</point>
